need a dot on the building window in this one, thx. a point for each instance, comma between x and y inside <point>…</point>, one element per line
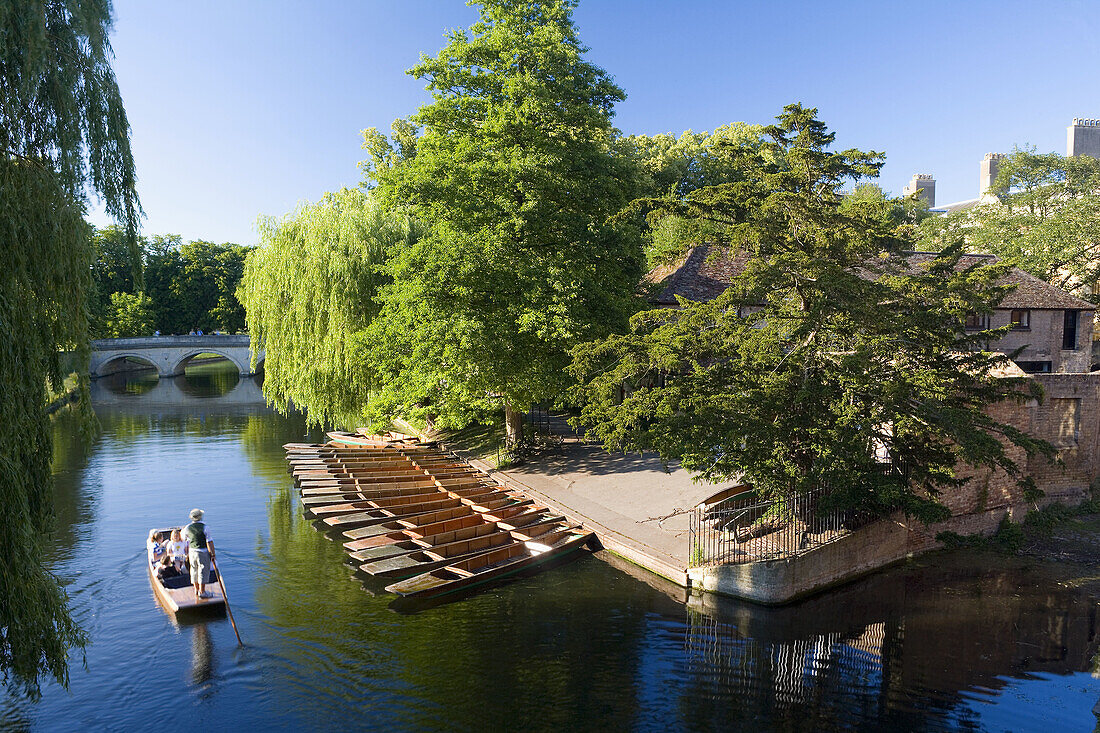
<point>1069,331</point>
<point>977,322</point>
<point>1035,367</point>
<point>1020,320</point>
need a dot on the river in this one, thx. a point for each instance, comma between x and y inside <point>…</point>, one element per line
<point>941,643</point>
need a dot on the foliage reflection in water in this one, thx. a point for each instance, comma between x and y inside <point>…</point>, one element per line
<point>938,644</point>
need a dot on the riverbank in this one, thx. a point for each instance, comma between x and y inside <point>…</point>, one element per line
<point>69,393</point>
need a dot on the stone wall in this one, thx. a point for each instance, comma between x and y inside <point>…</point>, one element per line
<point>1068,417</point>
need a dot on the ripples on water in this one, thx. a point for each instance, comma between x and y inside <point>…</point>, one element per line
<point>936,645</point>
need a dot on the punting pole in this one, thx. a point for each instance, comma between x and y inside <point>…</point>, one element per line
<point>225,595</point>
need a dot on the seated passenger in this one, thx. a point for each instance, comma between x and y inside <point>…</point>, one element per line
<point>165,569</point>
<point>177,551</point>
<point>154,544</point>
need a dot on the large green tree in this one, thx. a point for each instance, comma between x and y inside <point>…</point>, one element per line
<point>63,135</point>
<point>128,315</point>
<point>830,347</point>
<point>192,285</point>
<point>516,173</point>
<point>309,291</point>
<point>1044,216</point>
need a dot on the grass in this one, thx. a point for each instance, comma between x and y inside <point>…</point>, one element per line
<point>484,441</point>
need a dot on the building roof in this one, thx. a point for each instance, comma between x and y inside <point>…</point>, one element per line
<point>957,206</point>
<point>705,272</point>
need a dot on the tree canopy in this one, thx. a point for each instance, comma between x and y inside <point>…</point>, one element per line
<point>63,136</point>
<point>1045,218</point>
<point>515,173</point>
<point>187,285</point>
<point>831,348</point>
<point>309,291</point>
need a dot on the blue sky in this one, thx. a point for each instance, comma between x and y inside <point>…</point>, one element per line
<point>241,108</point>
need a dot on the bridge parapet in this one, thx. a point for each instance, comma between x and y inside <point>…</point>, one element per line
<point>145,342</point>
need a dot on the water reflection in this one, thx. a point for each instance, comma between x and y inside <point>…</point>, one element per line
<point>135,383</point>
<point>209,378</point>
<point>202,656</point>
<point>928,647</point>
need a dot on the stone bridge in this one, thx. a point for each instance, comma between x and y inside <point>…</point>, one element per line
<point>169,354</point>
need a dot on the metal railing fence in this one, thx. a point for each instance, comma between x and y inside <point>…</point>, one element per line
<point>747,528</point>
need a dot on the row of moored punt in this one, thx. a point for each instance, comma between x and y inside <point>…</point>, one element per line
<point>425,519</point>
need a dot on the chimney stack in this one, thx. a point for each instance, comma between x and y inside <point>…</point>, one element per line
<point>1083,138</point>
<point>926,185</point>
<point>988,172</point>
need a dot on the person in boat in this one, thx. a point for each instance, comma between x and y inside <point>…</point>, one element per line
<point>155,546</point>
<point>200,553</point>
<point>177,550</point>
<point>165,569</point>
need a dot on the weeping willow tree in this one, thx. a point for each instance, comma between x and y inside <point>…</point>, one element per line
<point>309,294</point>
<point>63,136</point>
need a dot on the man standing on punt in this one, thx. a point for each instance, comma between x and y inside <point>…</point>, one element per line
<point>200,553</point>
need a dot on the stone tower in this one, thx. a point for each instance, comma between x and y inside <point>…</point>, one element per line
<point>924,183</point>
<point>988,172</point>
<point>1083,138</point>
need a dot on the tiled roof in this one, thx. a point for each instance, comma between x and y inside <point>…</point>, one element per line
<point>704,274</point>
<point>697,276</point>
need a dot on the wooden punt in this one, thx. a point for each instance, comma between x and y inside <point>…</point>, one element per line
<point>345,507</point>
<point>343,438</point>
<point>422,532</point>
<point>318,503</point>
<point>384,514</point>
<point>177,594</point>
<point>338,486</point>
<point>462,509</point>
<point>425,525</point>
<point>320,488</point>
<point>425,559</point>
<point>493,565</point>
<point>539,523</point>
<point>409,544</point>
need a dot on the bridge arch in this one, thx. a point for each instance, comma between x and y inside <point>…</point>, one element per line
<point>182,361</point>
<point>110,365</point>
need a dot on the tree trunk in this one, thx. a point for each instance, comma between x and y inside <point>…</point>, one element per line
<point>513,425</point>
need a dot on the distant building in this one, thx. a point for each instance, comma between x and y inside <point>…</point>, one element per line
<point>924,186</point>
<point>1053,327</point>
<point>1082,138</point>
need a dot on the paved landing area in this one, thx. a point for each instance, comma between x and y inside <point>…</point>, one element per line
<point>636,505</point>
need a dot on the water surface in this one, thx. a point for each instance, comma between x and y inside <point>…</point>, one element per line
<point>944,643</point>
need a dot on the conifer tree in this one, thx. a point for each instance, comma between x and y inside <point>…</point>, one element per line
<point>831,347</point>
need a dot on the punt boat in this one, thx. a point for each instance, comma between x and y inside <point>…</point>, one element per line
<point>429,558</point>
<point>493,565</point>
<point>176,593</point>
<point>429,524</point>
<point>413,520</point>
<point>387,513</point>
<point>422,555</point>
<point>349,507</point>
